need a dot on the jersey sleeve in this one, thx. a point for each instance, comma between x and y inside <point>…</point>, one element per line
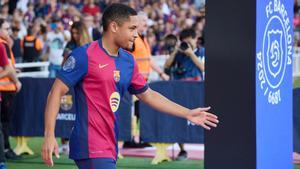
<point>74,68</point>
<point>138,83</point>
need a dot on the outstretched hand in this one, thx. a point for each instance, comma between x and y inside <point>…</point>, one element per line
<point>201,117</point>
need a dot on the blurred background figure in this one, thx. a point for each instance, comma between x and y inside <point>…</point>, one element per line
<point>57,38</point>
<point>32,47</point>
<point>10,84</point>
<point>93,29</point>
<point>185,63</point>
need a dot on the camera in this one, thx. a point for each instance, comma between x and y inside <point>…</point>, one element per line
<point>184,46</point>
<point>169,48</point>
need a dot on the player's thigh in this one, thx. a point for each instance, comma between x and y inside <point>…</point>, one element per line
<point>96,163</point>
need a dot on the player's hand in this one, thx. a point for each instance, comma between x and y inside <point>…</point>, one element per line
<point>49,146</point>
<point>201,117</point>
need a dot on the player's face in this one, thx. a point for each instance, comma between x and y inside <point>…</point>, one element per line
<point>127,33</point>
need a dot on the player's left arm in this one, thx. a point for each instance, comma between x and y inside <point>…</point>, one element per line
<point>199,116</point>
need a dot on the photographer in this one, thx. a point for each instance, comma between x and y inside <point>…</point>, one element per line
<point>185,63</point>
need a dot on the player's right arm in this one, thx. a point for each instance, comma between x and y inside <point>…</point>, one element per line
<point>73,70</point>
<point>53,103</point>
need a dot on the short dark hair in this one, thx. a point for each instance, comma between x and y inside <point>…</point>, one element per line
<point>186,33</point>
<point>171,38</point>
<point>116,12</point>
<point>30,30</point>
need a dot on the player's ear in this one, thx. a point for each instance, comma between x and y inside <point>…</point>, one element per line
<point>114,26</point>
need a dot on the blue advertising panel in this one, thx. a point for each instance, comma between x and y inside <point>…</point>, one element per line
<point>29,106</point>
<point>160,127</point>
<point>274,41</point>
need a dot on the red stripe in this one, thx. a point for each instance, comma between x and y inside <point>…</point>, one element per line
<point>101,135</point>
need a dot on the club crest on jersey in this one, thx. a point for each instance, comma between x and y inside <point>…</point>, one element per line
<point>117,75</point>
<point>69,64</point>
<point>114,101</point>
<point>66,102</point>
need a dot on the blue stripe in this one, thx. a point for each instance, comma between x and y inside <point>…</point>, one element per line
<point>79,137</point>
<point>141,90</point>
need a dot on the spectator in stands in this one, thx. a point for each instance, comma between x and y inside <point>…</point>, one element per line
<point>93,31</point>
<point>43,36</point>
<point>186,64</point>
<point>7,70</point>
<point>77,4</point>
<point>4,11</point>
<point>29,15</point>
<point>16,48</point>
<point>170,49</point>
<point>56,38</point>
<point>79,37</point>
<point>91,9</point>
<point>32,46</point>
<point>18,22</point>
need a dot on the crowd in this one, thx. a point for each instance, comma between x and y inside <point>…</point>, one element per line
<point>40,18</point>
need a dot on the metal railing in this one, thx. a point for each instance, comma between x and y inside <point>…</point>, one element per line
<point>159,60</point>
<point>43,72</point>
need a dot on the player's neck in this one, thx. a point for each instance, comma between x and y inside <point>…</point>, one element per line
<point>109,45</point>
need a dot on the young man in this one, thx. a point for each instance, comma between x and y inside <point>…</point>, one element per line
<point>100,73</point>
<point>187,62</point>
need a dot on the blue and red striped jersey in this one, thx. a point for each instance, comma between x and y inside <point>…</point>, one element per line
<point>99,81</point>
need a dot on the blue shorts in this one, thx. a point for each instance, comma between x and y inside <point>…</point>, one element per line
<point>96,163</point>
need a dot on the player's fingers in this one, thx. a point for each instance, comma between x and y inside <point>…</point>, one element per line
<point>49,160</point>
<point>44,154</point>
<point>212,119</point>
<point>204,108</point>
<point>205,126</point>
<point>56,151</point>
<point>46,157</point>
<point>210,123</point>
<point>211,115</point>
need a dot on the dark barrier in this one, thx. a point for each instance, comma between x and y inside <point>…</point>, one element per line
<point>158,127</point>
<point>28,114</point>
<point>296,119</point>
<point>28,111</point>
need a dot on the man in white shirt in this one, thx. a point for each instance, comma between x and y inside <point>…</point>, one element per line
<point>56,39</point>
